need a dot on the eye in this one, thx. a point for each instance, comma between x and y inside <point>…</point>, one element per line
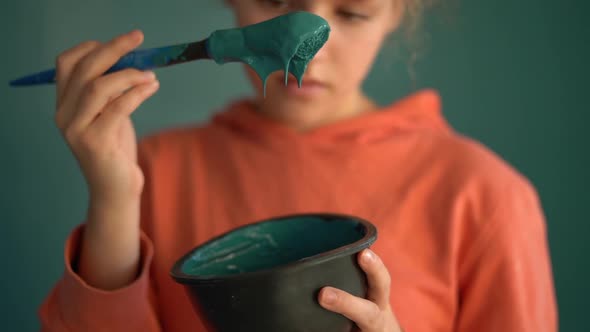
<point>278,4</point>
<point>352,16</point>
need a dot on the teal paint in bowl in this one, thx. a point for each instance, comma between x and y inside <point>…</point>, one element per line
<point>266,276</point>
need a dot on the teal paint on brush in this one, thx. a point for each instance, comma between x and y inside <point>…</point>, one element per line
<point>287,42</point>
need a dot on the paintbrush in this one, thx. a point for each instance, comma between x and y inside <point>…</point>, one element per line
<point>287,42</point>
<point>140,59</point>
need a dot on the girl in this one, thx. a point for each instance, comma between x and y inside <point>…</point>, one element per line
<point>462,241</point>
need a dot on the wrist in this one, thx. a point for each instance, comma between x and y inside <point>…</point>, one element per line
<point>112,201</point>
<point>112,213</point>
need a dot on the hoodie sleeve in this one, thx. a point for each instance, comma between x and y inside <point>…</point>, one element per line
<point>74,305</point>
<point>506,282</point>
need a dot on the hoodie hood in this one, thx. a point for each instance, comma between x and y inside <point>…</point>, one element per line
<point>420,111</point>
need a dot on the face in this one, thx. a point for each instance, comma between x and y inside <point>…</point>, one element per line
<point>358,29</point>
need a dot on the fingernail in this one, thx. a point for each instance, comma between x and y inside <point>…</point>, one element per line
<point>149,75</point>
<point>153,86</point>
<point>135,34</point>
<point>369,256</point>
<point>329,296</point>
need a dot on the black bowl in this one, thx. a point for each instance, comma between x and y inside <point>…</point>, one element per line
<point>266,276</point>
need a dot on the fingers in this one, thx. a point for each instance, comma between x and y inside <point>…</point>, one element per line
<point>103,90</point>
<point>97,62</point>
<point>78,67</point>
<point>378,278</point>
<point>66,61</point>
<point>123,106</point>
<point>366,314</point>
<point>370,314</point>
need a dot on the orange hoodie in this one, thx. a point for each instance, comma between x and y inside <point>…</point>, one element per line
<point>461,232</point>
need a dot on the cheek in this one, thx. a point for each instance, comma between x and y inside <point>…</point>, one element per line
<point>354,58</point>
<point>247,18</point>
<point>253,77</point>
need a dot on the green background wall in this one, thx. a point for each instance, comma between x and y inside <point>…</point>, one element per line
<point>512,74</point>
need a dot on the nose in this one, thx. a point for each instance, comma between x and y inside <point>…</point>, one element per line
<point>317,8</point>
<point>312,6</point>
<point>322,53</point>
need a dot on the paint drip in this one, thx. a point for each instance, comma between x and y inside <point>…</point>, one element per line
<point>287,42</point>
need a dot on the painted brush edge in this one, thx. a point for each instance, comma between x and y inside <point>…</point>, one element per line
<point>146,59</point>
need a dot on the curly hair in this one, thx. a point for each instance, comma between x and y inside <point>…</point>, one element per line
<point>414,12</point>
<point>413,36</point>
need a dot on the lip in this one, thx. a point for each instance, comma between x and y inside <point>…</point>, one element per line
<point>309,87</point>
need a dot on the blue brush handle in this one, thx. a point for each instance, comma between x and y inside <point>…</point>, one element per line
<point>140,59</point>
